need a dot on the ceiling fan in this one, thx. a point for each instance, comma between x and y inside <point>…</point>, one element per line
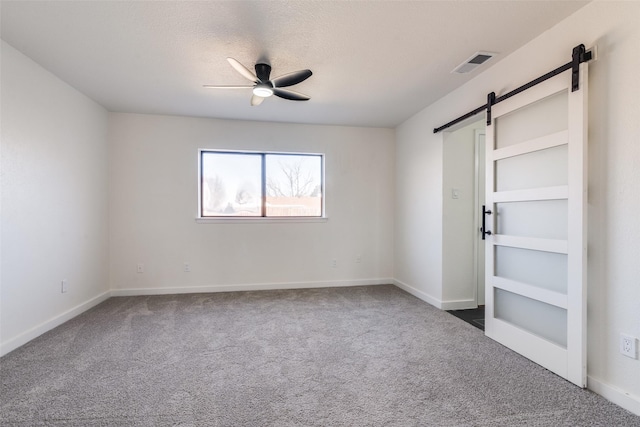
<point>263,87</point>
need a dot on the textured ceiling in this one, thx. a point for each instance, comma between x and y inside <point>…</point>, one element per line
<point>375,63</point>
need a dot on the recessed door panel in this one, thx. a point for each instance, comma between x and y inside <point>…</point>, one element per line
<point>544,219</point>
<point>543,320</point>
<point>543,117</point>
<point>546,270</point>
<point>538,169</point>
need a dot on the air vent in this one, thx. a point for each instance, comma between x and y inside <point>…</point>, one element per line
<point>473,62</point>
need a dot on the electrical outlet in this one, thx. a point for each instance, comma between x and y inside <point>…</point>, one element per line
<point>334,263</point>
<point>63,286</point>
<point>140,268</point>
<point>628,345</point>
<point>358,259</point>
<point>186,267</point>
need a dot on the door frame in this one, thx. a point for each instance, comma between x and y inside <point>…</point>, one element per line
<point>478,244</point>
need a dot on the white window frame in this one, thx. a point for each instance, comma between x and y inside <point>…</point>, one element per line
<point>259,219</point>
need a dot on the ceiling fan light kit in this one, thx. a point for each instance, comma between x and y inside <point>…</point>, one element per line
<point>263,87</point>
<point>262,90</point>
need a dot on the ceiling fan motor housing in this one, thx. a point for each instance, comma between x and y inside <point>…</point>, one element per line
<point>263,71</point>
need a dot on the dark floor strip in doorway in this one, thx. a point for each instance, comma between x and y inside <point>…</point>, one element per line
<point>474,316</point>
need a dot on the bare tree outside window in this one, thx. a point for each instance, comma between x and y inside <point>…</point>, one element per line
<point>247,194</point>
<point>298,180</point>
<point>215,194</point>
<point>294,185</point>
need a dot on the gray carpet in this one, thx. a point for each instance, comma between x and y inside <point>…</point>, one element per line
<point>364,356</point>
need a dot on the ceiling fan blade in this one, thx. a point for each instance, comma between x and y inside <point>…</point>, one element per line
<point>226,87</point>
<point>289,94</point>
<point>243,70</point>
<point>256,100</point>
<point>291,78</point>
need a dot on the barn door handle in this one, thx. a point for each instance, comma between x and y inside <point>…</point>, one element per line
<point>484,230</point>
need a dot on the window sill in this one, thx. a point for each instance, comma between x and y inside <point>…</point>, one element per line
<point>259,220</point>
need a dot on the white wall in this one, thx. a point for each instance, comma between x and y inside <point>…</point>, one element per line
<point>458,227</point>
<point>153,206</point>
<point>614,180</point>
<point>434,232</point>
<point>418,213</point>
<point>54,200</point>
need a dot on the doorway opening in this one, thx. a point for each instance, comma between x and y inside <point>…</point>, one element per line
<point>463,197</point>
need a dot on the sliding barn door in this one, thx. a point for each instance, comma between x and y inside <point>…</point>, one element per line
<point>536,255</point>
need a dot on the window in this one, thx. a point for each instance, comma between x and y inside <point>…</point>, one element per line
<point>250,184</point>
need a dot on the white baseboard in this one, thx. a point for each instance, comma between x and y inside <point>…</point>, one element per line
<point>462,304</point>
<point>621,398</point>
<point>249,287</point>
<point>418,294</point>
<point>442,305</point>
<point>58,320</point>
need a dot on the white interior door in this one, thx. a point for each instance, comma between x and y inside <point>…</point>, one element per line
<point>535,279</point>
